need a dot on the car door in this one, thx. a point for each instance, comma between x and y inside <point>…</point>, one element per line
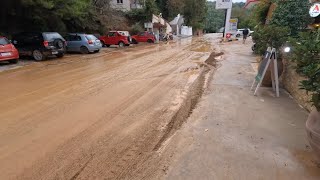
<point>111,38</point>
<point>142,37</point>
<point>30,42</point>
<point>78,42</point>
<point>18,42</point>
<point>70,42</point>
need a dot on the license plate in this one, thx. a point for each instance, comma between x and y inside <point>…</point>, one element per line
<point>5,54</point>
<point>55,52</point>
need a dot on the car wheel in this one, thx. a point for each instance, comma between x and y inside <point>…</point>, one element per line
<point>103,44</point>
<point>108,45</point>
<point>60,55</point>
<point>121,44</point>
<point>97,51</point>
<point>13,61</point>
<point>38,55</point>
<point>58,43</point>
<point>84,50</point>
<point>238,35</point>
<point>134,41</point>
<point>150,41</point>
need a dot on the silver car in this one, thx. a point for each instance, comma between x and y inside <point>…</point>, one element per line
<point>83,43</point>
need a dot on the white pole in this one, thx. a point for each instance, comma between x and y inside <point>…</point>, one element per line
<point>276,74</point>
<point>227,26</point>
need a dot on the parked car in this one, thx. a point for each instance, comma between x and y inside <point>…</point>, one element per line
<point>126,33</point>
<point>7,51</point>
<point>40,45</point>
<point>240,32</point>
<point>144,37</point>
<point>115,38</point>
<point>83,43</point>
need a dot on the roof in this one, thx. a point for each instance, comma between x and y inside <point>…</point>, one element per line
<point>250,3</point>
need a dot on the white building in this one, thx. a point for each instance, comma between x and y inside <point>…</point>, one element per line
<point>176,24</point>
<point>125,5</point>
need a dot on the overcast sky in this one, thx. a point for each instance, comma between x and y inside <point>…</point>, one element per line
<point>233,0</point>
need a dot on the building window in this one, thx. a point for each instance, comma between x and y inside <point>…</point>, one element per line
<point>120,1</point>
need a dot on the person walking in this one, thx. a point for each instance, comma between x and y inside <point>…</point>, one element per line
<point>245,35</point>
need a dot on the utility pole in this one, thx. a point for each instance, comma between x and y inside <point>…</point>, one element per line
<point>227,6</point>
<point>227,21</point>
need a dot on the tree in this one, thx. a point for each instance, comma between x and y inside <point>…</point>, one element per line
<point>175,7</point>
<point>195,13</point>
<point>59,15</point>
<point>151,8</point>
<point>292,14</point>
<point>162,6</point>
<point>215,18</point>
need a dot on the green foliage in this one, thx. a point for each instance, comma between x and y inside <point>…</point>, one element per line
<point>215,18</point>
<point>306,55</point>
<point>151,8</point>
<point>292,14</point>
<point>175,7</point>
<point>136,28</point>
<point>269,36</point>
<point>162,5</point>
<point>55,15</point>
<point>138,15</point>
<point>260,12</point>
<point>243,15</point>
<point>143,15</point>
<point>195,13</point>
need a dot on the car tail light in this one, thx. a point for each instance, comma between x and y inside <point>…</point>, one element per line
<point>90,42</point>
<point>46,43</point>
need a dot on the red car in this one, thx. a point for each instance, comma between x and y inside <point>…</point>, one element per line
<point>115,38</point>
<point>144,37</point>
<point>7,51</point>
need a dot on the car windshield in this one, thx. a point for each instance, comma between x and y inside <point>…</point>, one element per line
<point>52,36</point>
<point>4,41</point>
<point>124,33</point>
<point>91,37</point>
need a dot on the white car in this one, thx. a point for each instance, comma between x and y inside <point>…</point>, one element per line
<point>240,32</point>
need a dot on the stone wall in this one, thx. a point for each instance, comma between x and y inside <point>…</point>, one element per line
<point>291,81</point>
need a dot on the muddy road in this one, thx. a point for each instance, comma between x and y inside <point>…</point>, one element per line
<point>98,116</point>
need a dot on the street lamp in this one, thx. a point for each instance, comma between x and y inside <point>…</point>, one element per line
<point>287,49</point>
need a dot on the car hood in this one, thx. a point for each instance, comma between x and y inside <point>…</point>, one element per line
<point>6,48</point>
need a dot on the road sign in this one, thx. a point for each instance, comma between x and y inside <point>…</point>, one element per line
<point>269,60</point>
<point>223,4</point>
<point>315,10</point>
<point>233,24</point>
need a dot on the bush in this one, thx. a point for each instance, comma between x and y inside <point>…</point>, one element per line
<point>269,36</point>
<point>292,14</point>
<point>306,55</point>
<point>136,28</point>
